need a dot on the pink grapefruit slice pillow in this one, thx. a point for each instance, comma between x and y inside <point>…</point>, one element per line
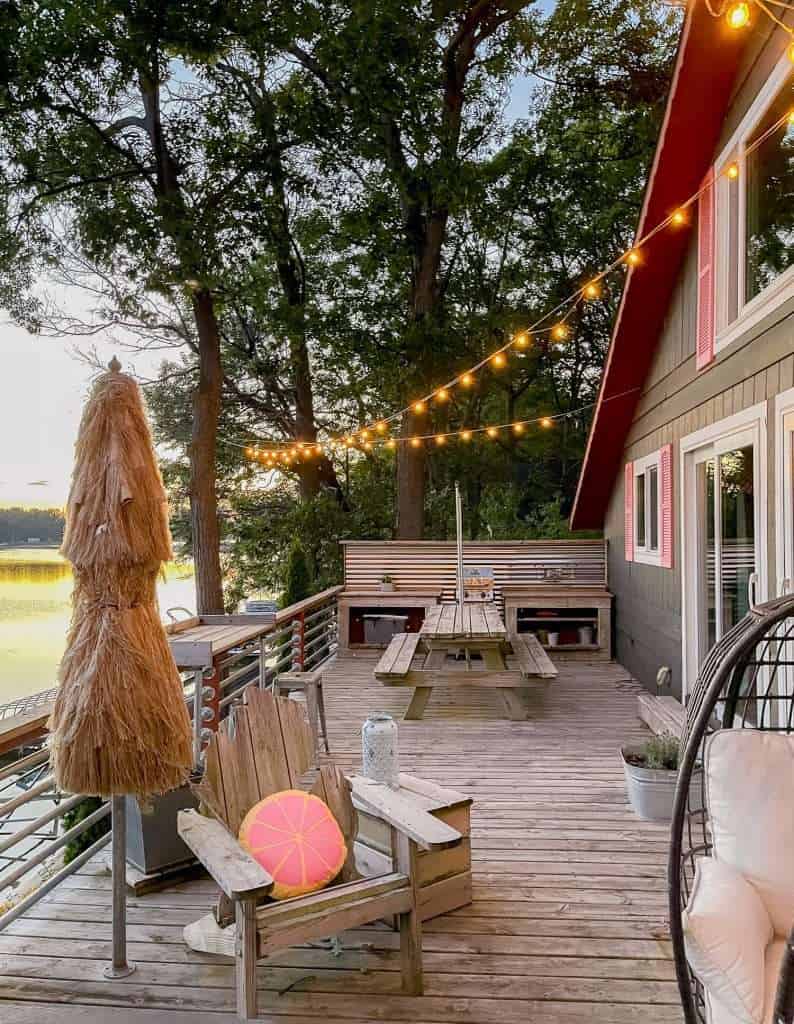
<point>296,839</point>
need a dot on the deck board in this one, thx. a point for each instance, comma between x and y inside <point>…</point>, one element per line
<point>567,924</point>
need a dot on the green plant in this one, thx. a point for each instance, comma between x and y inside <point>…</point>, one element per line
<point>299,584</point>
<point>90,836</point>
<point>658,753</point>
<point>386,578</point>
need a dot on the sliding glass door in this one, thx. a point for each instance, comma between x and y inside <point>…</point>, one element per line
<point>722,549</point>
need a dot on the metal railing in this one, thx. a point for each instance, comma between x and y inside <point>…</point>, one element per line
<point>22,705</point>
<point>32,835</point>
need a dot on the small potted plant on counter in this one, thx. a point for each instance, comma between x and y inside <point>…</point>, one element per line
<point>651,772</point>
<point>386,584</point>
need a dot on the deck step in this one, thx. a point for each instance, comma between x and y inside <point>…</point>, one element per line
<point>661,714</point>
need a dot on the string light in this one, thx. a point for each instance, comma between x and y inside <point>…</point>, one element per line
<point>738,15</point>
<point>592,290</point>
<point>518,428</point>
<point>440,439</point>
<point>790,52</point>
<point>272,457</point>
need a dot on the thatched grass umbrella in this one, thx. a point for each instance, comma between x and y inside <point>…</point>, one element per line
<point>120,725</point>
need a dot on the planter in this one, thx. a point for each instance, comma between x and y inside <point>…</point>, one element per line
<point>651,791</point>
<point>152,841</point>
<point>386,588</point>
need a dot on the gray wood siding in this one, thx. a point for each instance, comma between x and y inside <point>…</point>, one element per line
<point>676,401</point>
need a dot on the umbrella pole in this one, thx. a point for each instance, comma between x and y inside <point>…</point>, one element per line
<point>119,968</point>
<point>459,535</point>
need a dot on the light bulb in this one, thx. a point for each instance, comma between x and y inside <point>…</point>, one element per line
<point>633,257</point>
<point>738,15</point>
<point>559,332</point>
<point>364,435</point>
<point>467,380</point>
<point>418,407</point>
<point>733,170</point>
<point>465,435</point>
<point>790,52</point>
<point>546,422</point>
<point>368,446</point>
<point>592,290</point>
<point>416,442</point>
<point>518,428</point>
<point>442,395</point>
<point>492,432</point>
<point>440,439</point>
<point>521,340</point>
<point>380,427</point>
<point>249,452</point>
<point>498,360</point>
<point>391,443</point>
<point>678,218</point>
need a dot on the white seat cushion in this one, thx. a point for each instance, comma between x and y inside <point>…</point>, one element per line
<point>750,800</point>
<point>726,931</point>
<point>718,1013</point>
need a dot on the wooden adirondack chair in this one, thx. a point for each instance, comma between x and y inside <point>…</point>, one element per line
<point>264,746</point>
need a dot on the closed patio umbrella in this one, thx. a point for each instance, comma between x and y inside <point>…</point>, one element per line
<point>120,725</point>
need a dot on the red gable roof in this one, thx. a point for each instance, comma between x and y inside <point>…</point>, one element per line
<point>708,57</point>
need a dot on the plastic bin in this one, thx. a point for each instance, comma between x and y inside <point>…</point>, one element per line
<point>380,628</point>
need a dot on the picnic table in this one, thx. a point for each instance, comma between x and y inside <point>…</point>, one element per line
<point>465,646</point>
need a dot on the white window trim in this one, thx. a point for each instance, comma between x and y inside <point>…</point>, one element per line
<point>642,553</point>
<point>754,419</point>
<point>782,288</point>
<point>784,485</point>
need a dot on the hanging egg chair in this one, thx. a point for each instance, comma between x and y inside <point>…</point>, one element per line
<point>731,866</point>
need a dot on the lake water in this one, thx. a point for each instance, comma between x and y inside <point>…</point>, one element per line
<point>35,591</point>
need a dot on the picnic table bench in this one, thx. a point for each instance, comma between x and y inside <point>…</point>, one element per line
<point>476,638</point>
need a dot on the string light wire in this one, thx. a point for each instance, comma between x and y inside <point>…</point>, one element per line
<point>271,449</point>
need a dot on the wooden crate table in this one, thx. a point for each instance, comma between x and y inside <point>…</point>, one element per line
<point>567,607</point>
<point>354,604</point>
<point>477,638</point>
<point>444,875</point>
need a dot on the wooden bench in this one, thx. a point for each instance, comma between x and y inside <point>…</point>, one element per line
<point>311,684</point>
<point>533,662</point>
<point>395,662</point>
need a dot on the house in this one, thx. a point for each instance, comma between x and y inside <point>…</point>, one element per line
<point>688,467</point>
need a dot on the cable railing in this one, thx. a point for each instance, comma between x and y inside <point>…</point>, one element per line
<point>33,836</point>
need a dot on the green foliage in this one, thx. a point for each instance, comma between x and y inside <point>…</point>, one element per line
<point>298,582</point>
<point>658,753</point>
<point>96,831</point>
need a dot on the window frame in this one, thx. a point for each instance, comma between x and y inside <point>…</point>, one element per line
<point>731,259</point>
<point>643,467</point>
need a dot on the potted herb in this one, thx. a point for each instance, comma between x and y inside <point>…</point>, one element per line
<point>651,772</point>
<point>386,584</point>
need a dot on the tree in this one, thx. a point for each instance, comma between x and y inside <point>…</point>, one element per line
<point>102,119</point>
<point>298,586</point>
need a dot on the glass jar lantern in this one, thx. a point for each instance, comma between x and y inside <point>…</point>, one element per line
<point>379,749</point>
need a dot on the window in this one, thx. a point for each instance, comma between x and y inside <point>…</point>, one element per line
<point>647,506</point>
<point>754,210</point>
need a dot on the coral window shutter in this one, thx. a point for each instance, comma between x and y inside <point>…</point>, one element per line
<point>706,256</point>
<point>628,497</point>
<point>666,490</point>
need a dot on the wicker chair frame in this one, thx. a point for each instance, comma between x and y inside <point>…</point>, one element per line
<point>745,682</point>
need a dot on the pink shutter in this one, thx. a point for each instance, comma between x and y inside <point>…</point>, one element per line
<point>705,315</point>
<point>628,498</point>
<point>666,492</point>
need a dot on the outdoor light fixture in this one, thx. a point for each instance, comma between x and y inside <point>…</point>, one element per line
<point>738,15</point>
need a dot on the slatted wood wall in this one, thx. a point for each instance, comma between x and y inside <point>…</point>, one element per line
<point>430,564</point>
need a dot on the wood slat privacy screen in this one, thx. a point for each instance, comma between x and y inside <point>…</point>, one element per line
<point>430,565</point>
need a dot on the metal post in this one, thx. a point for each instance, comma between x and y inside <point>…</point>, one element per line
<point>119,968</point>
<point>459,531</point>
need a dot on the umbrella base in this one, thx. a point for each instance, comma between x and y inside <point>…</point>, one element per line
<point>111,972</point>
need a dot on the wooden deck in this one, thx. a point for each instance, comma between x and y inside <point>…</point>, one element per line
<point>568,919</point>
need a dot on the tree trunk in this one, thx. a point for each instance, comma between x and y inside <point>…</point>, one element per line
<point>411,481</point>
<point>203,448</point>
